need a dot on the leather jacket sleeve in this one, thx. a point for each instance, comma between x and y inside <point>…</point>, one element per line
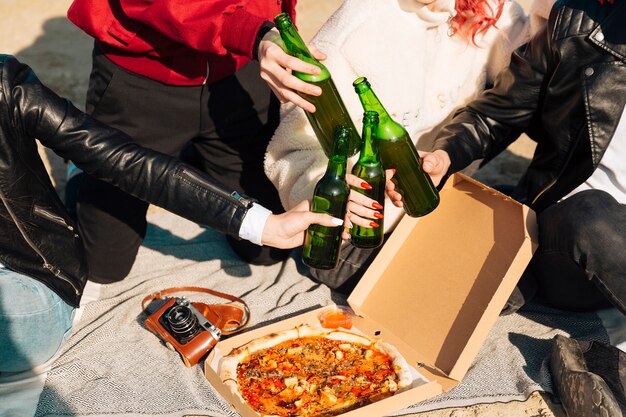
<point>111,156</point>
<point>499,115</point>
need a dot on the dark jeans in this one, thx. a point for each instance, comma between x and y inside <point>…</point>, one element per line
<point>228,124</point>
<point>580,263</point>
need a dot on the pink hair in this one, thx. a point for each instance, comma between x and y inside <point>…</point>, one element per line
<point>474,17</point>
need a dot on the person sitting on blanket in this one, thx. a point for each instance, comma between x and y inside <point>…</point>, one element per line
<point>42,265</point>
<point>566,89</point>
<point>426,59</point>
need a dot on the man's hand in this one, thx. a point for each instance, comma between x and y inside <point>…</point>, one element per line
<point>276,66</point>
<point>287,230</point>
<point>435,164</point>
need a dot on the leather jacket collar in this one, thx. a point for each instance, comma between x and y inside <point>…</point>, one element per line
<point>609,34</point>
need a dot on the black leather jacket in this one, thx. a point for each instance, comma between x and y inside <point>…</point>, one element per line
<point>37,236</point>
<point>566,88</point>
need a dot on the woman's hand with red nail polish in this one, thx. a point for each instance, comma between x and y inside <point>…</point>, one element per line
<point>360,210</point>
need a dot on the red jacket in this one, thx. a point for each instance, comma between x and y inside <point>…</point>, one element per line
<point>177,42</point>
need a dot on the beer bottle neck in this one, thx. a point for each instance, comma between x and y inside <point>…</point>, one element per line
<point>369,149</point>
<point>295,46</point>
<point>337,167</point>
<point>387,127</point>
<point>371,103</point>
<point>339,157</point>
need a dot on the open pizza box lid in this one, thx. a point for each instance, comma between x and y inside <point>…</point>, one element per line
<point>434,291</point>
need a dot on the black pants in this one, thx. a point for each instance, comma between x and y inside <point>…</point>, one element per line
<point>580,263</point>
<point>225,126</point>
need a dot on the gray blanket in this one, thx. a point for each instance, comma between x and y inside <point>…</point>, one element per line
<point>113,366</point>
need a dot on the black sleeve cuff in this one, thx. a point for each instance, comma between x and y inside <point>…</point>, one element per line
<point>265,27</point>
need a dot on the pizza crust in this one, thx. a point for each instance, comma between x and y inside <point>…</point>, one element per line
<point>228,364</point>
<point>227,368</point>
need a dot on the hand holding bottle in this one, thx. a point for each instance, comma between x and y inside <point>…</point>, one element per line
<point>435,164</point>
<point>361,210</point>
<point>322,245</point>
<point>398,151</point>
<point>329,110</point>
<point>276,66</point>
<point>287,230</point>
<point>369,169</point>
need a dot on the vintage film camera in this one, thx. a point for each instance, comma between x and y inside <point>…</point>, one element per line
<point>193,329</point>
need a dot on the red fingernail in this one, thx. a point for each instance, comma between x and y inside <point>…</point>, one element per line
<point>374,225</point>
<point>377,205</point>
<point>393,170</point>
<point>366,185</point>
<point>378,215</point>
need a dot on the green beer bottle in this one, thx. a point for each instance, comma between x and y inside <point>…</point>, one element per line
<point>397,151</point>
<point>330,110</point>
<point>370,169</point>
<point>322,243</point>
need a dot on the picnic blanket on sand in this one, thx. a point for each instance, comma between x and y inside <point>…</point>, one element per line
<point>113,366</point>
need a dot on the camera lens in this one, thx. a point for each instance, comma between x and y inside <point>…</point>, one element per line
<point>182,322</point>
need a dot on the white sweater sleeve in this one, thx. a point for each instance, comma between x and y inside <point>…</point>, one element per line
<point>512,31</point>
<point>294,160</point>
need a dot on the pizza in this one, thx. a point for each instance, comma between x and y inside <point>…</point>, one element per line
<point>310,371</point>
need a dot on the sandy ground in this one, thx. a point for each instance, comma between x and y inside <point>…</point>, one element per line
<point>38,33</point>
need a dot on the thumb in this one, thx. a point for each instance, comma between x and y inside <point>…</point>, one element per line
<point>319,55</point>
<point>324,220</point>
<point>429,163</point>
<point>316,218</point>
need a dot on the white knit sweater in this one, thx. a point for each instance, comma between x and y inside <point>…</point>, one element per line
<point>420,74</point>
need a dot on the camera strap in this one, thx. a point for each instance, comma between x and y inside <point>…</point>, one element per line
<point>229,318</point>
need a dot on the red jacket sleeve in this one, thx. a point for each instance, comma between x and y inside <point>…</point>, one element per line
<point>216,26</point>
<point>139,26</point>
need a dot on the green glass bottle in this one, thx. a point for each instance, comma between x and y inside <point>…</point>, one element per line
<point>330,110</point>
<point>322,244</point>
<point>370,169</point>
<point>419,195</point>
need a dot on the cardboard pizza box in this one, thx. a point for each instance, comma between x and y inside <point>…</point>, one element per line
<point>434,291</point>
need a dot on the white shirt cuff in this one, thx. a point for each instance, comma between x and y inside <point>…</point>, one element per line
<point>253,223</point>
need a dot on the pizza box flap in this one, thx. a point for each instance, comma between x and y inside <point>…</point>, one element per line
<point>440,281</point>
